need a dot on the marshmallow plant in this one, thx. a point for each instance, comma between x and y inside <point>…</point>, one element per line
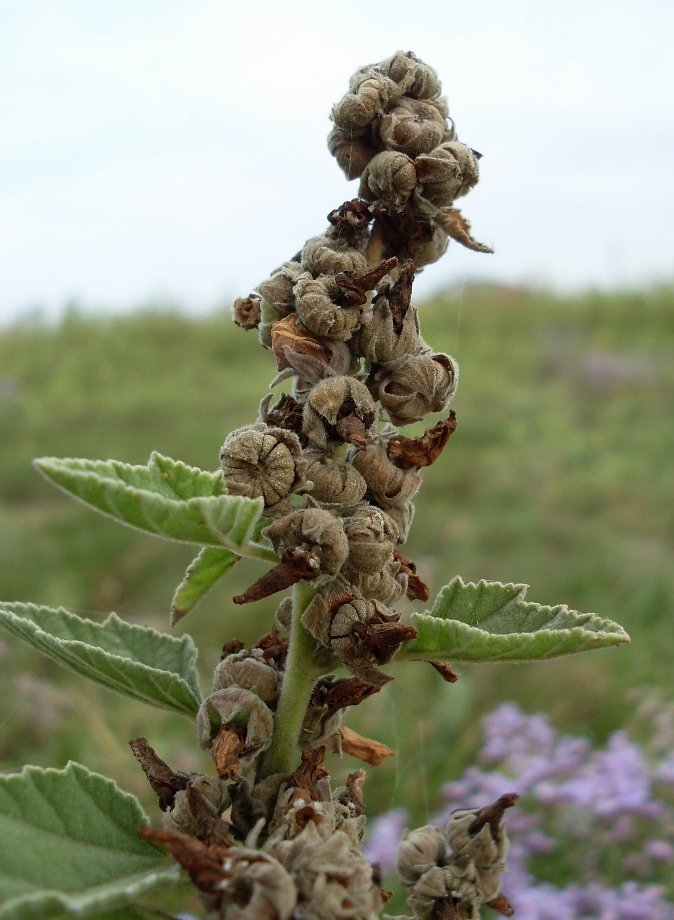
<point>320,490</point>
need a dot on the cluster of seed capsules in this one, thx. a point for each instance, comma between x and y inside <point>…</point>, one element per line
<point>338,482</point>
<point>452,872</point>
<point>326,458</point>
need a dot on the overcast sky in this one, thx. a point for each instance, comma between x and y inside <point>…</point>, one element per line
<point>176,148</point>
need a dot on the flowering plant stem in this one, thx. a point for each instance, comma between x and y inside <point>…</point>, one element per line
<point>298,682</point>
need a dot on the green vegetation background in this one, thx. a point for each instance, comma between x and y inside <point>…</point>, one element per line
<point>559,476</point>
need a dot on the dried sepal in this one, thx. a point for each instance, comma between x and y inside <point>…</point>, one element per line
<point>315,532</point>
<point>371,752</point>
<point>339,409</point>
<point>322,255</point>
<point>296,565</point>
<point>258,460</point>
<point>319,309</point>
<point>198,808</point>
<point>365,634</point>
<point>165,782</point>
<point>246,312</point>
<point>419,384</point>
<point>355,286</point>
<point>311,356</point>
<point>333,483</point>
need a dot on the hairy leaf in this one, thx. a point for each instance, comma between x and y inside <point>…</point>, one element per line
<point>69,845</point>
<point>489,621</point>
<point>208,567</point>
<point>165,498</point>
<point>134,660</point>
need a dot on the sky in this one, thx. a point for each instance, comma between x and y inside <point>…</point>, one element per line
<point>174,150</point>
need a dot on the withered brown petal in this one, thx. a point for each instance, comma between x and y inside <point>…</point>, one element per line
<point>225,750</point>
<point>445,670</point>
<point>311,770</point>
<point>203,863</point>
<point>501,905</point>
<point>294,566</point>
<point>164,781</point>
<point>400,297</point>
<point>457,227</point>
<point>289,332</point>
<point>355,285</point>
<point>365,749</point>
<point>493,814</point>
<point>382,638</point>
<point>349,221</point>
<point>338,694</point>
<point>424,450</point>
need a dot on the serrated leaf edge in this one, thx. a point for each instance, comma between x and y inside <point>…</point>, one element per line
<point>67,644</point>
<point>615,635</point>
<point>203,503</point>
<point>136,884</point>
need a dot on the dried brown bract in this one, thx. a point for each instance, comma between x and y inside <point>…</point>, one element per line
<point>409,453</point>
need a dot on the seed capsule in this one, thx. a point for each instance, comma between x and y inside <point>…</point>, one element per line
<point>258,460</point>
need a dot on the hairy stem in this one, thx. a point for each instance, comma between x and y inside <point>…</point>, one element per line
<point>301,672</point>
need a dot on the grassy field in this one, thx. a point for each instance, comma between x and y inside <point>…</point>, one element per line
<point>559,476</point>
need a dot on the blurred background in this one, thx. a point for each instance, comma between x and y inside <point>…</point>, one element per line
<point>158,159</point>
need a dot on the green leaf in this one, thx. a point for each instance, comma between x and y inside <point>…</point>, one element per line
<point>69,845</point>
<point>165,498</point>
<point>489,621</point>
<point>209,566</point>
<point>134,660</point>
